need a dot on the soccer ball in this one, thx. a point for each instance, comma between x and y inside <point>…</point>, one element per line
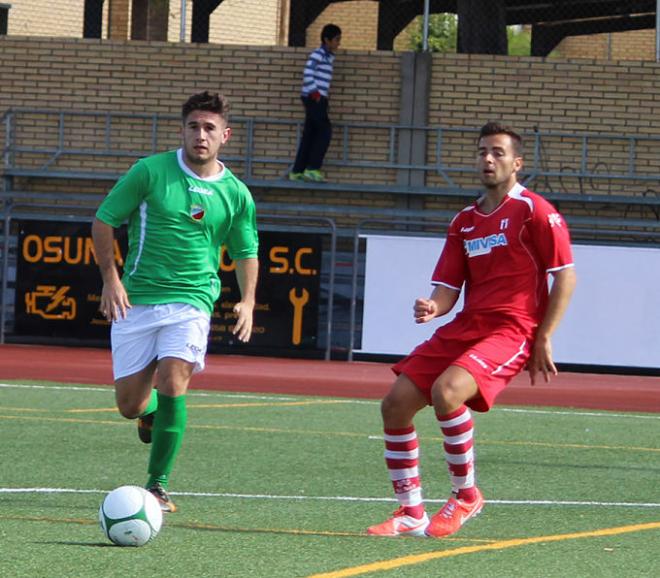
<point>130,516</point>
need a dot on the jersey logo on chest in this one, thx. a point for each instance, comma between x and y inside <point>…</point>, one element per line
<point>197,212</point>
<point>200,190</point>
<point>484,245</point>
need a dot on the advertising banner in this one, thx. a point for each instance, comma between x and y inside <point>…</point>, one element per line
<point>612,319</point>
<point>398,270</point>
<point>58,287</point>
<point>287,310</point>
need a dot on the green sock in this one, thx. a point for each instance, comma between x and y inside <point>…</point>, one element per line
<point>166,437</point>
<point>152,406</point>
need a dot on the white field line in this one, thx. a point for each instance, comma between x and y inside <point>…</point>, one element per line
<point>575,413</point>
<point>198,393</point>
<point>109,389</point>
<point>338,498</point>
<point>53,387</point>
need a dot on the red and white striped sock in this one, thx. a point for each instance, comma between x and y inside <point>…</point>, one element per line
<point>402,457</point>
<point>457,428</point>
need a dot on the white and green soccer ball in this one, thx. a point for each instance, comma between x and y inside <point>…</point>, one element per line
<point>130,516</point>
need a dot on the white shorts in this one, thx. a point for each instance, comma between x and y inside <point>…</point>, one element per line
<point>155,331</point>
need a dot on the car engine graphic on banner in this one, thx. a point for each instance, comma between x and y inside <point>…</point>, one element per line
<point>51,302</point>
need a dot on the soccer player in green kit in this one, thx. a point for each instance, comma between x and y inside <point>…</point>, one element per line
<point>181,207</point>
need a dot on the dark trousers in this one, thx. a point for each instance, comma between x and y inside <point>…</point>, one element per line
<point>316,135</point>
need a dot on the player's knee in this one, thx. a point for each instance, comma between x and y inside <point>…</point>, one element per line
<point>446,393</point>
<point>396,412</point>
<point>128,411</point>
<point>388,408</point>
<point>174,377</point>
<point>129,407</point>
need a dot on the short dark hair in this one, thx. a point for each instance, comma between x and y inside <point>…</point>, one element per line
<point>212,102</point>
<point>491,128</point>
<point>330,32</point>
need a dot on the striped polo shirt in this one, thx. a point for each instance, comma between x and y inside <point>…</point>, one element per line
<point>318,72</point>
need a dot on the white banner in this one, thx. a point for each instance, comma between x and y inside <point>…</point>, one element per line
<point>613,318</point>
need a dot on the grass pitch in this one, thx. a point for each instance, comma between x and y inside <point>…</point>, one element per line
<point>284,486</point>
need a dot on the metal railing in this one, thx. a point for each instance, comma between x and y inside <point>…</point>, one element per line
<point>363,156</point>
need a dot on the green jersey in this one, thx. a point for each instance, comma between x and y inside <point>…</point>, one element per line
<point>177,223</point>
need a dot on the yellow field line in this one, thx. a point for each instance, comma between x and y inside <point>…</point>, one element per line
<point>83,521</point>
<point>190,406</point>
<point>221,405</point>
<point>328,433</point>
<point>279,430</point>
<point>92,410</point>
<point>27,409</point>
<point>40,410</point>
<point>556,445</point>
<point>66,419</point>
<point>267,404</point>
<point>386,565</point>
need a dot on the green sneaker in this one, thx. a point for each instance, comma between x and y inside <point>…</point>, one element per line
<point>313,175</point>
<point>296,177</point>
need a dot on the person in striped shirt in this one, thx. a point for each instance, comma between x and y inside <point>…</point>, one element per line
<point>317,131</point>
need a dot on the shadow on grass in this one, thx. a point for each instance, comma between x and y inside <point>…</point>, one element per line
<point>300,532</point>
<point>200,526</point>
<point>85,544</point>
<point>286,531</point>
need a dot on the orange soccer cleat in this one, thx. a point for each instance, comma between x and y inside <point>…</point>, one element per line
<point>400,524</point>
<point>453,515</point>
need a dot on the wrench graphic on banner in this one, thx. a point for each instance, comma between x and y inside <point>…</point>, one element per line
<point>298,304</point>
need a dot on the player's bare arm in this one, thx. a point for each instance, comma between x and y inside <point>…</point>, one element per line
<point>247,273</point>
<point>114,300</point>
<point>560,296</point>
<point>440,302</point>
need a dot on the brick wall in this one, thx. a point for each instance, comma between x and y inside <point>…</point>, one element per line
<point>119,19</point>
<point>119,76</point>
<point>264,22</point>
<point>577,95</point>
<point>589,96</point>
<point>631,45</point>
<point>242,22</point>
<point>46,18</point>
<point>246,22</point>
<point>155,77</point>
<point>552,95</point>
<point>358,21</point>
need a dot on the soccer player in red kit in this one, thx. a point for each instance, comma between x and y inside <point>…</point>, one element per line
<point>501,249</point>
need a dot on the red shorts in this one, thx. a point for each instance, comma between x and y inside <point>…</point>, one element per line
<point>492,350</point>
